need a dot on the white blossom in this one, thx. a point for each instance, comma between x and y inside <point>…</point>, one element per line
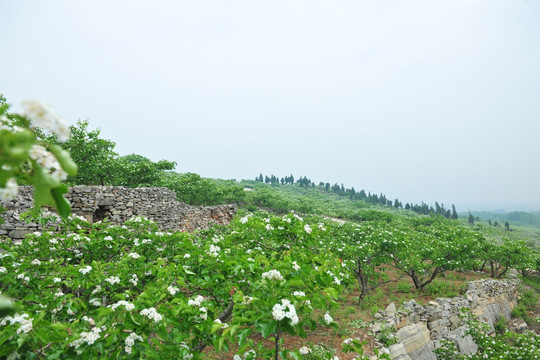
<point>134,255</point>
<point>328,319</point>
<point>173,290</point>
<point>214,250</point>
<point>152,314</point>
<point>47,161</point>
<point>307,229</point>
<point>85,270</point>
<point>279,311</point>
<point>22,319</point>
<point>127,305</point>
<point>130,341</point>
<point>42,115</point>
<point>272,275</point>
<point>9,191</point>
<point>197,301</point>
<point>204,314</point>
<point>304,350</point>
<point>113,280</point>
<point>87,337</point>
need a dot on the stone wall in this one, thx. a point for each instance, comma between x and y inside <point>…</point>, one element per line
<point>420,329</point>
<point>119,204</point>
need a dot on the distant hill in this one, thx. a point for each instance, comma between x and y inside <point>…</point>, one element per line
<point>515,217</point>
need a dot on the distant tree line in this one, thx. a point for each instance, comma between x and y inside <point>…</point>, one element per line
<point>361,195</point>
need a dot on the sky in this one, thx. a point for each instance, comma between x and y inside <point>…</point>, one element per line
<point>420,100</point>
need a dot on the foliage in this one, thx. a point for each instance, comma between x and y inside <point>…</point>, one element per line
<point>506,346</point>
<point>195,190</point>
<point>99,164</point>
<point>85,291</point>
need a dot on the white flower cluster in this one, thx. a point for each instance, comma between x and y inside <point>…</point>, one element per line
<point>304,350</point>
<point>134,279</point>
<point>134,255</point>
<point>151,313</point>
<point>87,337</point>
<point>197,301</point>
<point>130,341</point>
<point>307,229</point>
<point>173,290</point>
<point>272,275</point>
<point>129,306</point>
<point>43,116</point>
<point>47,161</point>
<point>299,294</point>
<point>113,280</point>
<point>328,319</point>
<point>296,267</point>
<point>23,277</point>
<point>22,319</point>
<point>95,302</point>
<point>247,355</point>
<point>85,270</point>
<point>204,312</point>
<point>214,250</point>
<point>2,269</point>
<point>9,191</point>
<point>245,219</point>
<point>269,227</point>
<point>279,313</point>
<point>296,216</point>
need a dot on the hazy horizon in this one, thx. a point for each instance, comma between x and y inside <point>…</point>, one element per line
<point>419,100</point>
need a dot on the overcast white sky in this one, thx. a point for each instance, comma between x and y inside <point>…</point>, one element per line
<point>420,100</point>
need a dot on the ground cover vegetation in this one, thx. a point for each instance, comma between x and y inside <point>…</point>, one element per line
<point>244,290</point>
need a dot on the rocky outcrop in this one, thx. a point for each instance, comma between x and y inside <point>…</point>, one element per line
<point>119,204</point>
<point>420,329</point>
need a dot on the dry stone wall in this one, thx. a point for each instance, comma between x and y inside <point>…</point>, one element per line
<point>420,329</point>
<point>119,204</point>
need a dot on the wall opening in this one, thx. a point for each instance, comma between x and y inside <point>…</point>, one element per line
<point>102,212</point>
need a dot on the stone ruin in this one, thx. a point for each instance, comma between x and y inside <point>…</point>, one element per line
<point>420,329</point>
<point>118,204</point>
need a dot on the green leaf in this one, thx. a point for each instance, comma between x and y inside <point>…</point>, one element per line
<point>62,205</point>
<point>243,335</point>
<point>266,328</point>
<point>332,292</point>
<point>64,158</point>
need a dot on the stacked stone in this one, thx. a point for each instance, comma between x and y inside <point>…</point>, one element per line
<point>119,204</point>
<point>420,329</point>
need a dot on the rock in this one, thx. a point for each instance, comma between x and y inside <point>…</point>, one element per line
<point>377,316</point>
<point>119,204</point>
<point>390,310</point>
<point>397,352</point>
<point>414,337</point>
